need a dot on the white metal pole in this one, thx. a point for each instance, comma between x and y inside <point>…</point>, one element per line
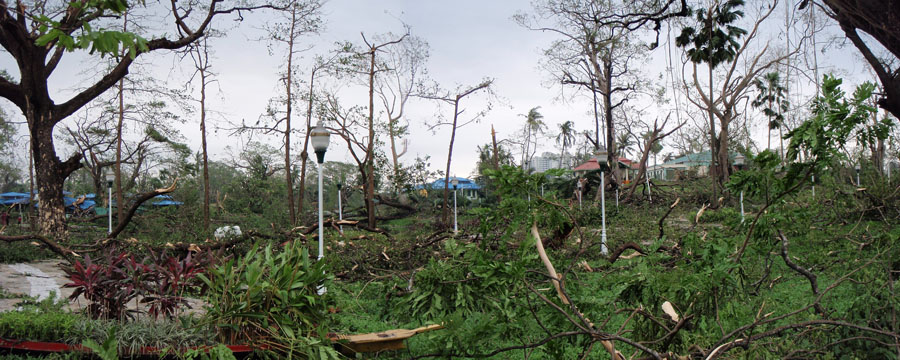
<point>340,211</point>
<point>455,224</point>
<point>742,205</point>
<point>542,190</point>
<point>649,193</point>
<point>857,179</point>
<point>322,288</point>
<point>814,185</point>
<point>617,198</point>
<point>603,249</point>
<point>321,230</point>
<point>109,207</point>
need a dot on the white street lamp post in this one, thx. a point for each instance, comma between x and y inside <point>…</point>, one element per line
<point>858,184</point>
<point>340,209</point>
<point>739,163</point>
<point>110,177</point>
<point>455,183</point>
<point>580,186</point>
<point>649,193</point>
<point>814,186</point>
<point>320,138</point>
<point>602,154</point>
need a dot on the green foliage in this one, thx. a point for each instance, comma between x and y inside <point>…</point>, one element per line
<point>821,138</point>
<point>100,40</point>
<point>108,350</point>
<point>269,297</point>
<point>36,325</point>
<point>715,40</point>
<point>825,134</point>
<point>131,336</point>
<point>470,281</point>
<point>218,352</point>
<point>771,98</point>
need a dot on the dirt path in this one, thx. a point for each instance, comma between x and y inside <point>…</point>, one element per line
<point>38,279</point>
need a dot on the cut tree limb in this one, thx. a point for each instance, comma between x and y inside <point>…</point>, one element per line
<point>558,284</point>
<point>137,202</point>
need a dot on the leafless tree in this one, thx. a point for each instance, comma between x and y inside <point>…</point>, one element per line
<point>454,99</point>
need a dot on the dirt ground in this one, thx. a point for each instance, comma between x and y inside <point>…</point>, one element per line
<point>38,279</point>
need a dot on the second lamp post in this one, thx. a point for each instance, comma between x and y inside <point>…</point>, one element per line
<point>110,178</point>
<point>455,183</point>
<point>320,138</point>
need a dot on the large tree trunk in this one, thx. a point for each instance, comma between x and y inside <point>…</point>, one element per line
<point>51,174</point>
<point>724,169</point>
<point>713,169</point>
<point>612,157</point>
<point>642,167</point>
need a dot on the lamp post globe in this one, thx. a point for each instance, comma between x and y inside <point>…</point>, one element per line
<point>320,137</point>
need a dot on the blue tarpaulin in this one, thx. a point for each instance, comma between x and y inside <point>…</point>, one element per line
<point>14,201</point>
<point>166,200</point>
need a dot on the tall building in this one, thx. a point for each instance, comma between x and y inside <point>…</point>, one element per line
<point>548,160</point>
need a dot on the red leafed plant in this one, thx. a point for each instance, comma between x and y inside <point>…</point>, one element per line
<point>173,276</point>
<point>117,278</point>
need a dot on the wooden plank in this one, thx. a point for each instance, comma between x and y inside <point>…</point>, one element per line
<point>379,341</point>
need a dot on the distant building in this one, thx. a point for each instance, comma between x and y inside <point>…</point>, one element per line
<point>626,167</point>
<point>549,161</point>
<point>669,170</point>
<point>466,187</point>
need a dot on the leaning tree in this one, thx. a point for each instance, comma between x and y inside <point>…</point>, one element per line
<point>38,36</point>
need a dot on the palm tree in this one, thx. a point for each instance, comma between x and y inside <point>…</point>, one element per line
<point>714,41</point>
<point>772,99</point>
<point>566,137</point>
<point>534,123</point>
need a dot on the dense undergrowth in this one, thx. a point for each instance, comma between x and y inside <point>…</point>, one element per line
<point>800,274</point>
<point>490,290</point>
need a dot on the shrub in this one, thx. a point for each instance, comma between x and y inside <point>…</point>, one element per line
<point>269,298</point>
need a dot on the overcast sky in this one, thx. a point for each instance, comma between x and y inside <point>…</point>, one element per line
<point>469,41</point>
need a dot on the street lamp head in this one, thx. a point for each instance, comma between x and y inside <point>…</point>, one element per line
<point>455,183</point>
<point>857,168</point>
<point>110,177</point>
<point>319,137</point>
<point>339,185</point>
<point>739,160</point>
<point>602,158</point>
